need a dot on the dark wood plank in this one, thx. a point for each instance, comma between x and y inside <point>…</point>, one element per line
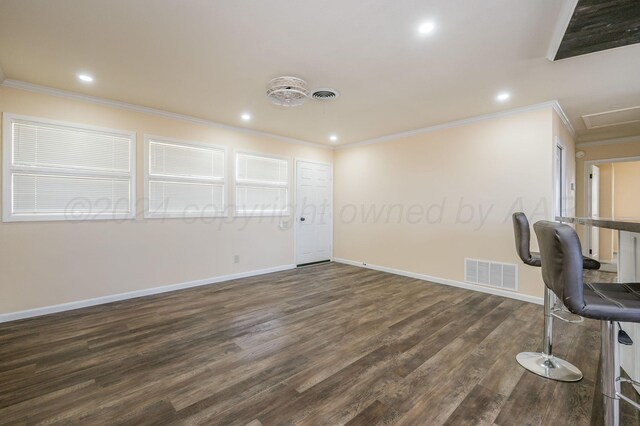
<point>371,415</point>
<point>329,344</point>
<point>600,25</point>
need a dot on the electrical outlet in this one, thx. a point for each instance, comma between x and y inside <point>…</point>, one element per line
<point>236,258</point>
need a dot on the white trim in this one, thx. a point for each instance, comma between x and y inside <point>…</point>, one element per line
<point>295,203</point>
<point>565,120</point>
<point>464,122</point>
<point>148,138</point>
<point>9,168</point>
<point>13,316</point>
<point>7,148</point>
<point>608,141</point>
<point>21,85</point>
<point>558,143</point>
<point>612,160</point>
<point>566,13</point>
<point>445,281</point>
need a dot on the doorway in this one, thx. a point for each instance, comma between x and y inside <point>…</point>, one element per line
<point>610,188</point>
<point>314,212</point>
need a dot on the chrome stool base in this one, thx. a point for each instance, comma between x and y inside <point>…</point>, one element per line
<point>549,366</point>
<point>544,364</point>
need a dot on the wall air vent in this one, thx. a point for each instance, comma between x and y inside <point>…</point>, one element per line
<point>612,118</point>
<point>494,274</point>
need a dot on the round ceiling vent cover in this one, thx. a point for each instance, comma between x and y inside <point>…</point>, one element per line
<point>288,91</point>
<point>325,94</point>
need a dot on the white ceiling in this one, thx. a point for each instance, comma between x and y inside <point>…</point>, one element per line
<point>212,59</point>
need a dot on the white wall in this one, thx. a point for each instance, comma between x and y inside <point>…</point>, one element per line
<point>50,263</point>
<point>476,175</point>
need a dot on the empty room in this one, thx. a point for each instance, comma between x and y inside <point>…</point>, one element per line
<point>337,212</point>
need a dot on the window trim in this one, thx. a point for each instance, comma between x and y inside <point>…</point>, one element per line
<point>253,184</point>
<point>148,138</point>
<point>8,168</point>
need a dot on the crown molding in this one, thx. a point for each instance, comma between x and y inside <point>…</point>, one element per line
<point>565,120</point>
<point>608,141</point>
<point>464,122</point>
<point>21,85</point>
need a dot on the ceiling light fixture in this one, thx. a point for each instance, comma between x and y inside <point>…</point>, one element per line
<point>427,27</point>
<point>85,78</point>
<point>504,96</point>
<point>245,117</point>
<point>333,138</point>
<point>288,91</point>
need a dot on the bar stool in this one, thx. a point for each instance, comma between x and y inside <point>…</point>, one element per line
<point>522,232</point>
<point>562,273</point>
<point>544,363</point>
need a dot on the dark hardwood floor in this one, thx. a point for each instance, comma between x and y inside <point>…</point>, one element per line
<point>329,344</point>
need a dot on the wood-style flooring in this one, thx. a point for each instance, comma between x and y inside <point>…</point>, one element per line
<point>324,345</point>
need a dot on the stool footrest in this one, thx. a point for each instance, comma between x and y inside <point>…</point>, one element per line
<point>629,400</point>
<point>624,379</point>
<point>567,316</point>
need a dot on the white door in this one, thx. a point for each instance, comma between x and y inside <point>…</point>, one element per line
<point>314,207</point>
<point>594,244</point>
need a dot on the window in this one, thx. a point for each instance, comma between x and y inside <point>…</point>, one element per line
<point>63,171</point>
<point>183,179</point>
<point>262,185</point>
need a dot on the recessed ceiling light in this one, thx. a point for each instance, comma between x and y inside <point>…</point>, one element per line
<point>333,138</point>
<point>427,27</point>
<point>503,96</point>
<point>85,77</point>
<point>246,117</point>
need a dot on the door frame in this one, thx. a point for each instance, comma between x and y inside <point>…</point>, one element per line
<point>297,160</point>
<point>587,192</point>
<point>560,175</point>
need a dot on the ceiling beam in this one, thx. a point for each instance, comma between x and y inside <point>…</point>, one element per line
<point>615,141</point>
<point>568,7</point>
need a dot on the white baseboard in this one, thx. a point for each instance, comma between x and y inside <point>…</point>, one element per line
<point>445,281</point>
<point>12,316</point>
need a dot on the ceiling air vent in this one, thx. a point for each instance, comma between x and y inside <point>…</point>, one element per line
<point>325,94</point>
<point>612,118</point>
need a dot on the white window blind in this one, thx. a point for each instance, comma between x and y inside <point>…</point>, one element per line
<point>64,171</point>
<point>184,179</point>
<point>262,185</point>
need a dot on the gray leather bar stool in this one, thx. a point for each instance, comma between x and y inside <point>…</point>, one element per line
<point>544,363</point>
<point>561,257</point>
<point>522,231</point>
